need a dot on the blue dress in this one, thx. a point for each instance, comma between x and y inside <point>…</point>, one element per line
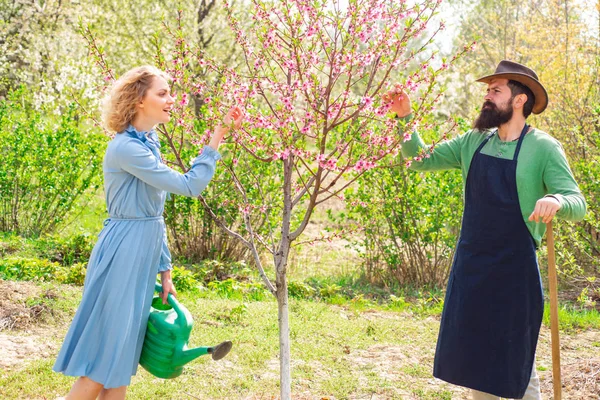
<point>105,339</point>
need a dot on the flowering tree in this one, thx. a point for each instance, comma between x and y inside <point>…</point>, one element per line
<point>311,79</point>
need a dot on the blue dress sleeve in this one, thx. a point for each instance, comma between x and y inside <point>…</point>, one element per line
<point>135,158</point>
<point>165,255</point>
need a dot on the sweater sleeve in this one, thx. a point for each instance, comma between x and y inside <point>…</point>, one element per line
<point>560,183</point>
<point>445,155</point>
<point>138,160</point>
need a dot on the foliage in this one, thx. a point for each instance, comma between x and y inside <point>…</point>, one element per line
<point>34,269</point>
<point>411,223</point>
<point>33,37</point>
<point>48,164</point>
<point>300,290</point>
<point>184,279</point>
<point>66,250</point>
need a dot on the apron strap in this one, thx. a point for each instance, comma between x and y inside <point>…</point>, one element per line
<point>487,139</point>
<point>523,133</point>
<point>518,149</point>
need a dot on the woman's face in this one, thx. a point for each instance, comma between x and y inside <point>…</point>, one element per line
<point>155,107</point>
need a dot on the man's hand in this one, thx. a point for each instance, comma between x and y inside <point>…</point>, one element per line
<point>167,286</point>
<point>545,209</point>
<point>400,102</point>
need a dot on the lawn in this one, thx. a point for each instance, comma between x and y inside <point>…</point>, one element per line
<point>338,351</point>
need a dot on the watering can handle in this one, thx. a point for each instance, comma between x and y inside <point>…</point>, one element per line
<point>170,299</point>
<point>182,315</point>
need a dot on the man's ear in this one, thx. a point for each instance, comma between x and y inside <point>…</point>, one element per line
<point>520,100</point>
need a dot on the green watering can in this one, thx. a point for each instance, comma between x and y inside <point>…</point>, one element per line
<point>165,350</point>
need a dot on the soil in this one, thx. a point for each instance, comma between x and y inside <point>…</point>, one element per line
<point>22,308</point>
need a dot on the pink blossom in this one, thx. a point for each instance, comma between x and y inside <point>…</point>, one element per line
<point>282,155</point>
<point>245,209</point>
<point>367,101</point>
<point>184,100</point>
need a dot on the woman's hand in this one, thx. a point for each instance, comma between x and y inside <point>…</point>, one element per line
<point>233,118</point>
<point>167,286</point>
<point>400,102</point>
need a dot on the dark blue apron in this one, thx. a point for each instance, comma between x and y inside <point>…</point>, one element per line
<point>494,302</point>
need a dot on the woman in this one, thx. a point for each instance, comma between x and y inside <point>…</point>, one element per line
<point>105,339</point>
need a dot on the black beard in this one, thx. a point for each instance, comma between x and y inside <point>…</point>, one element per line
<point>492,117</point>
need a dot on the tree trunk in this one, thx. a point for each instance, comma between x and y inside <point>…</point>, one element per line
<point>285,379</point>
<point>281,259</point>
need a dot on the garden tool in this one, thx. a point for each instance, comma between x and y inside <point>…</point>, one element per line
<point>552,283</point>
<point>165,350</point>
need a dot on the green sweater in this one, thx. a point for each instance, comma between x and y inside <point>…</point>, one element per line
<point>542,169</point>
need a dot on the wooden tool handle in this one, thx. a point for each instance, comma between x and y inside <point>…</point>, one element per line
<point>552,283</point>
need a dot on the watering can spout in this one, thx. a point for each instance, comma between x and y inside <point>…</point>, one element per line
<point>191,354</point>
<point>217,352</point>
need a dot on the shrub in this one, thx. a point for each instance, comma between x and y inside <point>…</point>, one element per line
<point>65,250</point>
<point>48,163</point>
<point>184,279</point>
<point>28,269</point>
<point>34,269</point>
<point>300,290</point>
<point>411,222</point>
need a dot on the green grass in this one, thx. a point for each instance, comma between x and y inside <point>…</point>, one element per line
<point>350,339</point>
<point>358,349</point>
<point>331,347</point>
<point>572,319</point>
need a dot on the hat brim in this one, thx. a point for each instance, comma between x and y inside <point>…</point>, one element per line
<point>541,96</point>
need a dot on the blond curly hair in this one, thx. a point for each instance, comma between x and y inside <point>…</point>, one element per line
<point>125,95</point>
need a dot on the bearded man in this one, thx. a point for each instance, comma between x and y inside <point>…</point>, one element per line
<point>517,178</point>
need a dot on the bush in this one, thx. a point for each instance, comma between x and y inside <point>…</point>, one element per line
<point>184,279</point>
<point>411,222</point>
<point>65,250</point>
<point>28,269</point>
<point>74,274</point>
<point>34,269</point>
<point>48,163</point>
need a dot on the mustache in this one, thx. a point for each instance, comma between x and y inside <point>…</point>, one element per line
<point>489,104</point>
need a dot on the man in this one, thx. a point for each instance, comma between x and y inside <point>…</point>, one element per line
<point>516,179</point>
